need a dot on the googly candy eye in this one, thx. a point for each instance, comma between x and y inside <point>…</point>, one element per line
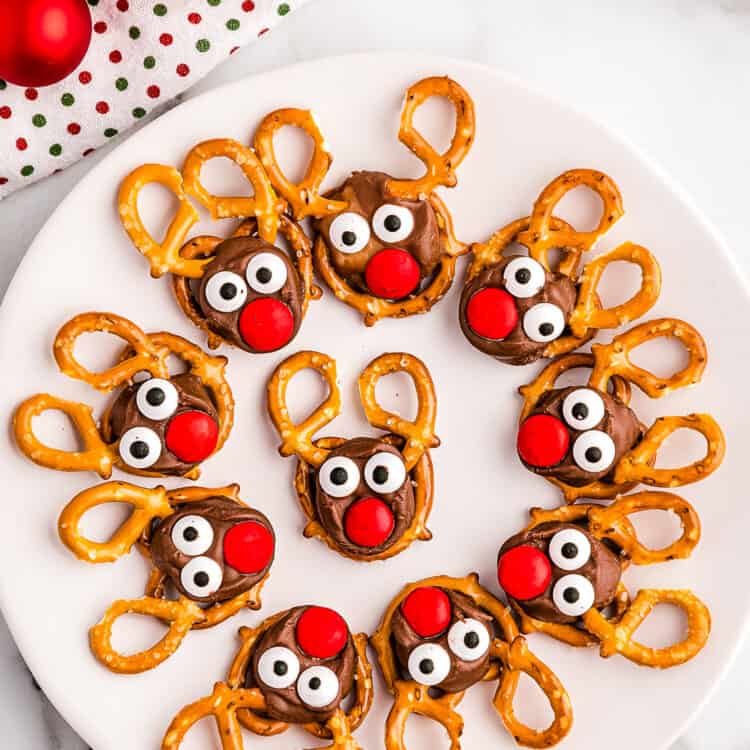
<point>573,595</point>
<point>594,451</point>
<point>140,447</point>
<point>192,535</point>
<point>201,577</point>
<point>157,399</point>
<point>569,549</point>
<point>349,232</point>
<point>544,322</point>
<point>468,639</point>
<point>278,667</point>
<point>318,686</point>
<point>583,409</point>
<point>226,291</point>
<point>429,664</point>
<point>524,277</point>
<point>339,476</point>
<point>385,472</point>
<point>392,223</point>
<point>266,273</point>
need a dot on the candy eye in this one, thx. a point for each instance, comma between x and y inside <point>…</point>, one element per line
<point>468,639</point>
<point>524,277</point>
<point>339,476</point>
<point>318,686</point>
<point>201,577</point>
<point>429,664</point>
<point>392,223</point>
<point>266,273</point>
<point>569,549</point>
<point>583,409</point>
<point>278,667</point>
<point>192,535</point>
<point>544,322</point>
<point>157,399</point>
<point>349,232</point>
<point>226,291</point>
<point>573,595</point>
<point>594,451</point>
<point>140,447</point>
<point>385,472</point>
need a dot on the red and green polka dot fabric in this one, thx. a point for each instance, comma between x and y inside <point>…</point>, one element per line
<point>142,53</point>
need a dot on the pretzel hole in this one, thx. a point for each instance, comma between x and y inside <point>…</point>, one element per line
<point>656,529</point>
<point>581,207</point>
<point>619,282</point>
<point>681,448</point>
<point>309,392</point>
<point>202,735</point>
<point>176,365</point>
<point>99,523</point>
<point>436,121</point>
<point>665,625</point>
<point>55,429</point>
<point>293,148</point>
<point>157,206</point>
<point>424,732</point>
<point>222,176</point>
<point>395,393</point>
<point>663,356</point>
<point>133,633</point>
<point>97,351</point>
<point>530,705</point>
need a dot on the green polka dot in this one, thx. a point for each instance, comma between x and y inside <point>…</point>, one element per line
<point>121,84</point>
<point>160,9</point>
<point>27,171</point>
<point>109,132</point>
<point>39,120</point>
<point>67,100</point>
<point>214,3</point>
<point>138,112</point>
<point>283,9</point>
<point>233,24</point>
<point>134,32</point>
<point>55,149</point>
<point>3,85</point>
<point>149,62</point>
<point>203,45</point>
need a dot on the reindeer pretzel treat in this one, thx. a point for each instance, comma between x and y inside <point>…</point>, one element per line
<point>244,290</point>
<point>589,442</point>
<point>446,634</point>
<point>384,246</point>
<point>565,568</point>
<point>368,497</point>
<point>165,425</point>
<point>296,667</point>
<point>206,543</point>
<point>519,308</point>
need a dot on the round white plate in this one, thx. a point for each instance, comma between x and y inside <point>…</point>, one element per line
<point>82,261</point>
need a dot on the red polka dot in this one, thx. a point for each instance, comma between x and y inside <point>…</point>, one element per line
<point>3,180</point>
<point>74,128</point>
<point>100,27</point>
<point>21,144</point>
<point>248,5</point>
<point>5,112</point>
<point>31,94</point>
<point>88,151</point>
<point>102,108</point>
<point>153,91</point>
<point>194,18</point>
<point>84,77</point>
<point>183,70</point>
<point>115,56</point>
<point>122,5</point>
<point>166,39</point>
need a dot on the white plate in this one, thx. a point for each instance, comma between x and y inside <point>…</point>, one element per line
<point>82,260</point>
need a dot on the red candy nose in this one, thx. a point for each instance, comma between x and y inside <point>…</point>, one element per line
<point>543,441</point>
<point>492,313</point>
<point>392,273</point>
<point>192,436</point>
<point>266,324</point>
<point>321,632</point>
<point>248,547</point>
<point>427,610</point>
<point>368,522</point>
<point>524,572</point>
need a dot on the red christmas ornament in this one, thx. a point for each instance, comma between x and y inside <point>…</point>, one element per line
<point>192,436</point>
<point>266,324</point>
<point>543,441</point>
<point>492,313</point>
<point>321,632</point>
<point>524,572</point>
<point>369,522</point>
<point>392,274</point>
<point>42,41</point>
<point>248,547</point>
<point>428,611</point>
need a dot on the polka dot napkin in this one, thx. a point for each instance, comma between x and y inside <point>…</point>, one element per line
<point>142,53</point>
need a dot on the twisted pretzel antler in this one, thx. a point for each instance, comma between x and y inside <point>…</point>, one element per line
<point>419,435</point>
<point>440,167</point>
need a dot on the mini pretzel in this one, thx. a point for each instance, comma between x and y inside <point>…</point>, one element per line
<point>144,352</point>
<point>510,657</point>
<point>234,707</point>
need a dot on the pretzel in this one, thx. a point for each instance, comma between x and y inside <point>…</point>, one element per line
<point>234,707</point>
<point>610,365</point>
<point>615,634</point>
<point>144,352</point>
<point>509,658</point>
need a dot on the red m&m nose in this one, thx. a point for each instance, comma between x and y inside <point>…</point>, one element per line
<point>321,632</point>
<point>248,547</point>
<point>368,522</point>
<point>192,436</point>
<point>392,273</point>
<point>524,572</point>
<point>427,610</point>
<point>266,324</point>
<point>492,313</point>
<point>543,441</point>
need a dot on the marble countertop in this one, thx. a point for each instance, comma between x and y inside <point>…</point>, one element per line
<point>670,75</point>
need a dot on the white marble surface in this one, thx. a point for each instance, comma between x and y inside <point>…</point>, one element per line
<point>671,75</point>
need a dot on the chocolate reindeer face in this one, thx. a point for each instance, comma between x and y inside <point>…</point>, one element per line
<point>577,435</point>
<point>304,665</point>
<point>364,496</point>
<point>515,308</point>
<point>251,295</point>
<point>558,571</point>
<point>213,550</point>
<point>382,245</point>
<point>441,639</point>
<point>164,426</point>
